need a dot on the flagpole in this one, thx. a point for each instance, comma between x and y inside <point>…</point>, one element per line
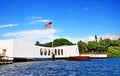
<point>52,38</point>
<point>53,53</point>
<point>50,25</point>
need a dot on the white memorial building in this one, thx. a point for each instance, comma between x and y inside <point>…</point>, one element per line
<point>14,48</point>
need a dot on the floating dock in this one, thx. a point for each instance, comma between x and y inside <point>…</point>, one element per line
<point>7,62</point>
<point>4,60</point>
<point>95,56</point>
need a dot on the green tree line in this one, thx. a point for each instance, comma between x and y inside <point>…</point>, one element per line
<point>56,42</point>
<point>104,46</point>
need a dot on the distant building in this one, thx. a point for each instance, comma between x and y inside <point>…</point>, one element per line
<point>14,48</point>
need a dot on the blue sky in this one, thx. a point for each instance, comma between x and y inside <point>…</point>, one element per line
<point>72,19</point>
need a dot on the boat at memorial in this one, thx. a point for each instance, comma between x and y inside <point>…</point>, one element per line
<point>79,58</point>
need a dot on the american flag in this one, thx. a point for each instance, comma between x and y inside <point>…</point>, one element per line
<point>48,25</point>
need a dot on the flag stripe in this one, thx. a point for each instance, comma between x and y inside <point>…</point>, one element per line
<point>49,25</point>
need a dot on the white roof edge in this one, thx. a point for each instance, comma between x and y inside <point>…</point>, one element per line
<point>35,45</point>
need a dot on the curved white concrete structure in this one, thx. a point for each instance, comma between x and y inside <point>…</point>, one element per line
<point>18,49</point>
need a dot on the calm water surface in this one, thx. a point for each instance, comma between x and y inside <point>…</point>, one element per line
<point>101,67</point>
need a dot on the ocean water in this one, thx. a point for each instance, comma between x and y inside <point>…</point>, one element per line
<point>96,67</point>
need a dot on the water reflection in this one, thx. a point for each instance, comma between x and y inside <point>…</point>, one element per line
<point>109,67</point>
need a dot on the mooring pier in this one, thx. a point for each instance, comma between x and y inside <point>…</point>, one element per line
<point>4,60</point>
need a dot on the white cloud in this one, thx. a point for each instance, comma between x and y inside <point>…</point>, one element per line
<point>45,20</point>
<point>36,17</point>
<point>92,38</point>
<point>39,21</point>
<point>33,35</point>
<point>8,25</point>
<point>48,35</point>
<point>73,39</point>
<point>110,36</point>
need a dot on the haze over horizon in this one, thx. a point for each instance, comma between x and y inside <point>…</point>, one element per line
<point>72,19</point>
